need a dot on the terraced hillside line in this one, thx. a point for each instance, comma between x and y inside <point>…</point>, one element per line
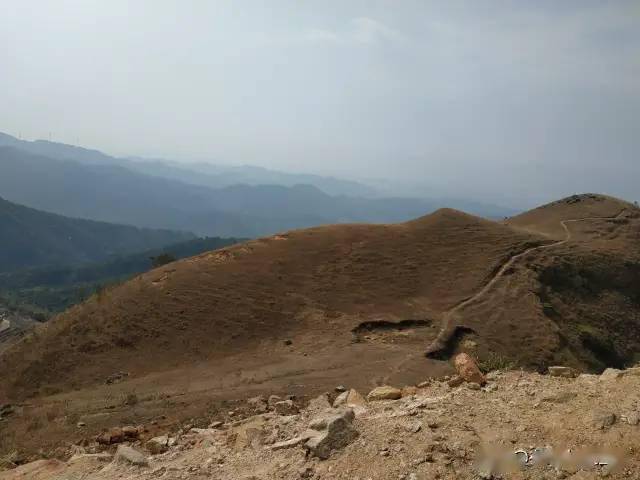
<point>449,325</point>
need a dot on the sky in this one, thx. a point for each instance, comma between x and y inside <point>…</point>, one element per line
<point>505,101</point>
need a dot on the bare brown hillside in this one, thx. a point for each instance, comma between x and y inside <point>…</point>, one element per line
<point>359,303</point>
<point>312,287</point>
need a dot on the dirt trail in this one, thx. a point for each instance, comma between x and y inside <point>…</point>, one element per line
<point>448,321</point>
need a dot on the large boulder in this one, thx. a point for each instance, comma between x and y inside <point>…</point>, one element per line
<point>384,393</point>
<point>330,432</point>
<point>467,368</point>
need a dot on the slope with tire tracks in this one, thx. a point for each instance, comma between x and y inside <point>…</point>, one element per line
<point>449,323</point>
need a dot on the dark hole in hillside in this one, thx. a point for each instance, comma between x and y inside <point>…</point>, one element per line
<point>451,344</point>
<point>384,325</point>
<point>603,351</point>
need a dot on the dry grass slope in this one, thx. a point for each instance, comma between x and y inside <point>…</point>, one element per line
<point>354,304</point>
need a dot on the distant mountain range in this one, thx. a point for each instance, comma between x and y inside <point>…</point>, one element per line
<point>204,199</point>
<point>30,238</point>
<point>204,174</point>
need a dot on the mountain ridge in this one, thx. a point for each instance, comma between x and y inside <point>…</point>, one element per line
<point>34,238</point>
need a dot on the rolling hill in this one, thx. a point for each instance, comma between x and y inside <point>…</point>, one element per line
<point>296,312</point>
<point>317,286</point>
<point>35,238</point>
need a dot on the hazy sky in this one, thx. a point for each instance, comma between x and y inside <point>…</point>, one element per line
<point>498,99</point>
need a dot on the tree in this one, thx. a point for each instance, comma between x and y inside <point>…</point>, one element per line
<point>162,259</point>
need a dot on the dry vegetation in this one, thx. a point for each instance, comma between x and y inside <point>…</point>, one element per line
<point>354,304</point>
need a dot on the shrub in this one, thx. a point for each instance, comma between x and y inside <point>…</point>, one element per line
<point>495,361</point>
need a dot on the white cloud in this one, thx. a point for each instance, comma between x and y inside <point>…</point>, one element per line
<point>362,30</point>
<point>367,30</point>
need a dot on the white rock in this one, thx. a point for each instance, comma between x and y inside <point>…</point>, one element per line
<point>126,454</point>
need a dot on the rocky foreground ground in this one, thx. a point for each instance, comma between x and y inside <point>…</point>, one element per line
<point>510,425</point>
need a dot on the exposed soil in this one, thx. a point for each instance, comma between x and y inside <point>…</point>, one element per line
<point>521,426</point>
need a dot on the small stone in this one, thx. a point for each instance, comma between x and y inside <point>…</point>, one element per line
<point>288,342</point>
<point>414,427</point>
<point>560,397</point>
<point>632,418</point>
<point>473,386</point>
<point>81,424</point>
<point>286,407</point>
<point>126,454</point>
<point>455,381</point>
<point>340,399</point>
<point>306,472</point>
<point>341,388</point>
<point>158,445</point>
<point>291,443</point>
<point>384,393</point>
<point>258,404</point>
<point>565,372</point>
<point>216,424</point>
<point>611,374</point>
<point>602,419</point>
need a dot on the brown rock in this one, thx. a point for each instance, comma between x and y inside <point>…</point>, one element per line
<point>130,432</point>
<point>468,369</point>
<point>354,399</point>
<point>384,393</point>
<point>115,435</point>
